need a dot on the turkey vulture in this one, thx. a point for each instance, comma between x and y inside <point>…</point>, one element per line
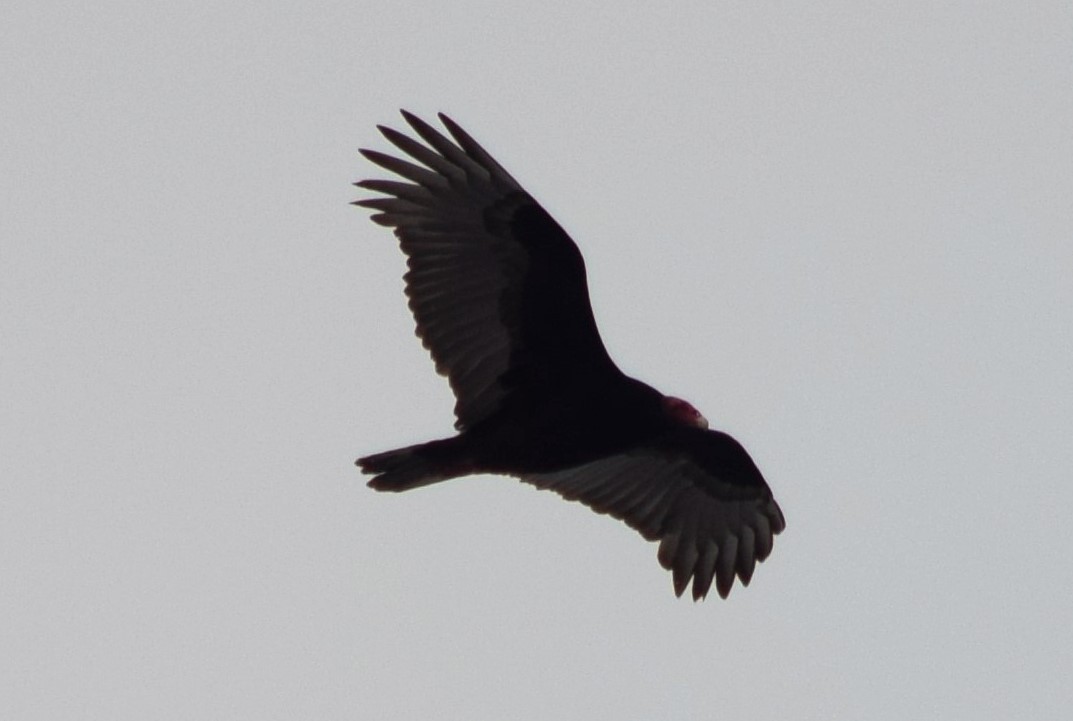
<point>498,291</point>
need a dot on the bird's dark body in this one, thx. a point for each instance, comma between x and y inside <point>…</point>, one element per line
<point>574,426</point>
<point>499,293</point>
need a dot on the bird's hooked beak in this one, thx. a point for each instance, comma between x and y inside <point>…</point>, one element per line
<point>683,412</point>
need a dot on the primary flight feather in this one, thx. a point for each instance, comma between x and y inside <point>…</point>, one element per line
<point>498,292</point>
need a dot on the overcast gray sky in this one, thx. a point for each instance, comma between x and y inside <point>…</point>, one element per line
<point>843,230</point>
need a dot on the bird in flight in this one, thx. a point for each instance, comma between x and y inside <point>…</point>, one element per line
<point>498,292</point>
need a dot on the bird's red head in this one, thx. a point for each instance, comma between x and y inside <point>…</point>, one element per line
<point>683,412</point>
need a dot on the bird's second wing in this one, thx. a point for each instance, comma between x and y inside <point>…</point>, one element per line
<point>497,288</point>
<point>697,492</point>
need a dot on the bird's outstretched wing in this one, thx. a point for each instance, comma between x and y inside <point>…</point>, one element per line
<point>496,287</point>
<point>697,492</point>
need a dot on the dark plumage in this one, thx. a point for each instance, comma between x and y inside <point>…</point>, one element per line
<point>499,295</point>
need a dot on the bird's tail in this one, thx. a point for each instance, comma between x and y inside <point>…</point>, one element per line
<point>413,466</point>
